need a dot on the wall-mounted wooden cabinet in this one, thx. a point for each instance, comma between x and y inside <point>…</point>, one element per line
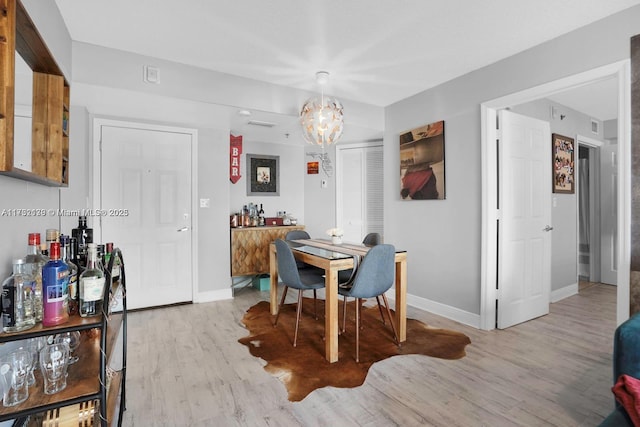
<point>50,107</point>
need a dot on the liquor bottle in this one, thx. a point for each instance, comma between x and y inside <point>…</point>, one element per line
<point>84,235</point>
<point>91,285</point>
<point>100,251</point>
<point>73,246</point>
<point>17,299</point>
<point>52,235</point>
<point>36,260</point>
<point>55,289</point>
<point>67,257</point>
<point>115,271</point>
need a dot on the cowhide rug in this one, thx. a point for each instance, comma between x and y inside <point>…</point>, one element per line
<point>304,368</point>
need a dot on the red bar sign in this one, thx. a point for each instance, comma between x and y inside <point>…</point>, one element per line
<point>235,147</point>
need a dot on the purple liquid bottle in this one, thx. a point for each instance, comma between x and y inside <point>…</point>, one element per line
<point>55,289</point>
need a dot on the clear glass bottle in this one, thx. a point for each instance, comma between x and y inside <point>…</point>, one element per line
<point>36,260</point>
<point>67,257</point>
<point>55,289</point>
<point>84,236</point>
<point>17,299</point>
<point>91,285</point>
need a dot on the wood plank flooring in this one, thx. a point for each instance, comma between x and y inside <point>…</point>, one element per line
<point>186,368</point>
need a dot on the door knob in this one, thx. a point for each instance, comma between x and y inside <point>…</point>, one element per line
<point>183,229</point>
<point>547,228</point>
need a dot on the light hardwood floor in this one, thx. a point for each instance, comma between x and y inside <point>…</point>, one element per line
<point>186,368</point>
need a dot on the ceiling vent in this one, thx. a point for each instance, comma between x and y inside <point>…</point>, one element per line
<point>261,123</point>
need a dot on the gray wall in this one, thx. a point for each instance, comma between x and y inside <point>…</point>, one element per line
<point>292,171</point>
<point>443,237</point>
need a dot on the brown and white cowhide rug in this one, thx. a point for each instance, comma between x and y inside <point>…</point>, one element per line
<point>304,368</point>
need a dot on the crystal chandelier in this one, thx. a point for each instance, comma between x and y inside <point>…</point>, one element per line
<point>321,117</point>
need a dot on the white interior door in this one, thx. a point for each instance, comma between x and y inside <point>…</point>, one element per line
<point>609,214</point>
<point>359,191</point>
<point>351,208</point>
<point>147,172</point>
<point>524,252</point>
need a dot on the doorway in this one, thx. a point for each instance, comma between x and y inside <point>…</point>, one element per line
<point>490,256</point>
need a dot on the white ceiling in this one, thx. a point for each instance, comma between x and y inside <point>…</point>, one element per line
<point>377,51</point>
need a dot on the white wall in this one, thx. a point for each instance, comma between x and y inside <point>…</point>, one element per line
<point>443,237</point>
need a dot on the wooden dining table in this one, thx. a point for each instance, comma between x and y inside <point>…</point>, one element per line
<point>332,258</point>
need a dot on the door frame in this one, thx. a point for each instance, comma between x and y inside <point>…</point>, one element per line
<point>490,213</point>
<point>95,187</point>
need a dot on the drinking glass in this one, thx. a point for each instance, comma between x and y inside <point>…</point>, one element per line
<point>72,339</point>
<point>14,369</point>
<point>53,365</point>
<point>32,349</point>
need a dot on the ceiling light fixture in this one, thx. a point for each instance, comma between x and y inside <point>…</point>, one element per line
<point>321,117</point>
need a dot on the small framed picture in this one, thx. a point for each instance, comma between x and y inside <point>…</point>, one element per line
<point>563,164</point>
<point>313,168</point>
<point>263,175</point>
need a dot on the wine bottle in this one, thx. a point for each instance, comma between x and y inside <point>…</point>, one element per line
<point>55,289</point>
<point>17,299</point>
<point>91,285</point>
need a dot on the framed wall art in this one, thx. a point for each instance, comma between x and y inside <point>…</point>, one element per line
<point>563,164</point>
<point>422,163</point>
<point>263,175</point>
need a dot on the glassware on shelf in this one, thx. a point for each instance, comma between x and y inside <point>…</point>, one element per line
<point>72,339</point>
<point>32,348</point>
<point>53,365</point>
<point>14,370</point>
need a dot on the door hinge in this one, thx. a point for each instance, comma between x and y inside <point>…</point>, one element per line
<point>498,293</point>
<point>100,145</point>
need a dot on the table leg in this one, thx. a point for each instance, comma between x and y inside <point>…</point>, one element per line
<point>331,316</point>
<point>401,299</point>
<point>273,283</point>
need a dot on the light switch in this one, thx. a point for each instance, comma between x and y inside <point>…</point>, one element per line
<point>205,203</point>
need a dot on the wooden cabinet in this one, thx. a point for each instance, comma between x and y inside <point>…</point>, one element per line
<point>250,248</point>
<point>50,108</point>
<point>93,391</point>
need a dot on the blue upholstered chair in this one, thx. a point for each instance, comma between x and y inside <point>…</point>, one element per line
<point>626,360</point>
<point>297,235</point>
<point>374,276</point>
<point>292,277</point>
<point>372,239</point>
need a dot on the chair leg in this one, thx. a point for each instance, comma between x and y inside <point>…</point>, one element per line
<point>393,328</point>
<point>380,308</point>
<point>358,330</point>
<point>344,315</point>
<point>315,305</point>
<point>359,304</point>
<point>295,336</point>
<point>284,295</point>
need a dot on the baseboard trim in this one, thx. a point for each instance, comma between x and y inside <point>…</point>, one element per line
<point>562,293</point>
<point>452,313</point>
<point>217,295</point>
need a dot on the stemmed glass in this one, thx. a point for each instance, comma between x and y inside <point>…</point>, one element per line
<point>72,339</point>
